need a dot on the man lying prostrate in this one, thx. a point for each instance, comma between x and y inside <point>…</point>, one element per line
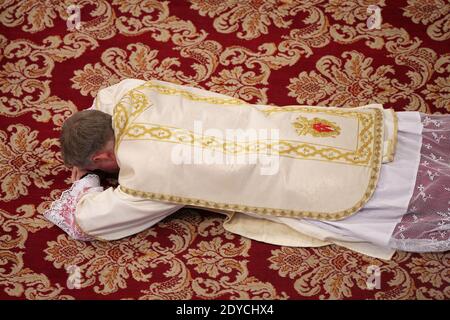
<point>293,175</point>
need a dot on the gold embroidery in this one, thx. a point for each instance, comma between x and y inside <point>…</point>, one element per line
<point>139,102</point>
<point>287,148</point>
<point>393,141</point>
<point>136,102</point>
<point>374,174</point>
<point>193,97</point>
<point>368,152</point>
<point>316,127</point>
<point>329,110</point>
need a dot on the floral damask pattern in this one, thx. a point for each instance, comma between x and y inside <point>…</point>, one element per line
<point>325,273</point>
<point>349,83</point>
<point>92,78</point>
<point>439,93</point>
<point>351,11</point>
<point>139,62</point>
<point>433,13</point>
<point>279,52</point>
<point>25,161</point>
<point>34,16</point>
<point>251,17</point>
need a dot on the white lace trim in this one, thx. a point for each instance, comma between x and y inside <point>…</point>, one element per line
<point>419,245</point>
<point>62,211</point>
<point>426,227</point>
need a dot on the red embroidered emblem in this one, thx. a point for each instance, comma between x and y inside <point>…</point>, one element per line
<point>316,127</point>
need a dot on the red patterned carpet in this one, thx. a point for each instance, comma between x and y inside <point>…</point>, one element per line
<point>275,52</point>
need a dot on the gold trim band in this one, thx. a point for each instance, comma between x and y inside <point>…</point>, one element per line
<point>375,171</point>
<point>373,130</point>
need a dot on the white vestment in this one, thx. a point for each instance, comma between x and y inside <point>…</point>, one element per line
<point>113,214</point>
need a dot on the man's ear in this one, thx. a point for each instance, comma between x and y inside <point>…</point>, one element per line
<point>99,156</point>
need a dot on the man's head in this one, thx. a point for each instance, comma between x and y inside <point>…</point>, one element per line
<point>87,141</point>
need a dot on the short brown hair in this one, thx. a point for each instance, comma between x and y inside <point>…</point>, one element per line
<point>83,134</point>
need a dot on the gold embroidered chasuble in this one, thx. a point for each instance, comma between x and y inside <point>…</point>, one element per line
<point>194,147</point>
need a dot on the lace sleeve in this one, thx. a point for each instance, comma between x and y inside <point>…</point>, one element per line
<point>62,211</point>
<point>426,225</point>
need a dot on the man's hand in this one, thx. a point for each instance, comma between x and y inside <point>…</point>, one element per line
<point>77,173</point>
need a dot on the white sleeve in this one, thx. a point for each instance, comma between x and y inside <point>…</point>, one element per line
<point>87,212</point>
<point>62,211</point>
<point>112,214</point>
<point>107,98</point>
